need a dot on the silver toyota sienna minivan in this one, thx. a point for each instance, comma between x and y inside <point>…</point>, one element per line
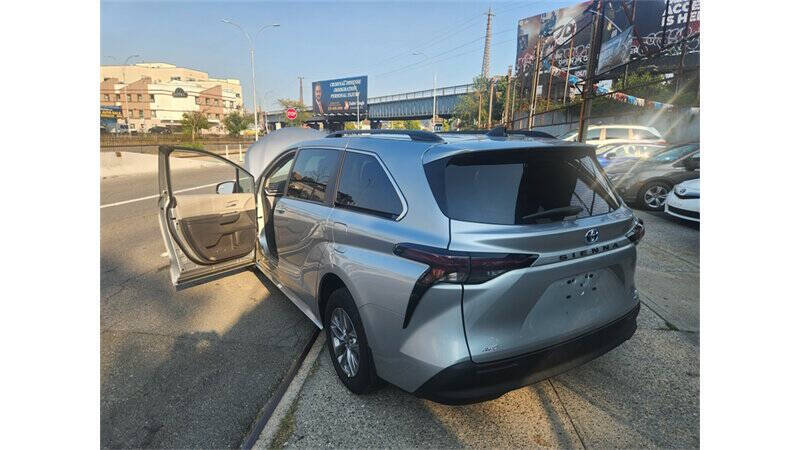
<point>456,267</point>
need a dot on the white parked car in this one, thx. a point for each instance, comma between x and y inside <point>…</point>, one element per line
<point>609,134</point>
<point>684,201</point>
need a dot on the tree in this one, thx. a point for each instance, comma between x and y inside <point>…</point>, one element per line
<point>467,108</point>
<point>235,122</point>
<point>193,122</point>
<point>302,114</point>
<point>411,125</point>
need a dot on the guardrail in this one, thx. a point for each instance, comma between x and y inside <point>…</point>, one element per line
<point>440,92</point>
<point>141,140</point>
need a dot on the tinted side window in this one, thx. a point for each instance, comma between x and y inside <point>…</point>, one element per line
<point>616,133</point>
<point>593,134</point>
<point>276,182</point>
<point>313,171</point>
<point>364,186</point>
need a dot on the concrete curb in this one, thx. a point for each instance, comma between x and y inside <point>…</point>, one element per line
<point>291,394</point>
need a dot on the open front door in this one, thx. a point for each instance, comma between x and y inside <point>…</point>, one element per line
<point>207,213</point>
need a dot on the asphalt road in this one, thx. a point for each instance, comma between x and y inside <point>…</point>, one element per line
<point>644,393</point>
<point>182,369</point>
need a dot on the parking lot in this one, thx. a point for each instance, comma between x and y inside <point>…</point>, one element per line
<point>194,368</point>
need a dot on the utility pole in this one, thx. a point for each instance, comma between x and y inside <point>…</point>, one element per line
<point>550,81</point>
<point>534,86</point>
<point>301,92</point>
<point>487,44</point>
<point>588,84</point>
<point>491,97</point>
<point>569,65</point>
<point>508,97</point>
<point>683,48</point>
<point>433,117</point>
<point>480,105</point>
<point>513,102</point>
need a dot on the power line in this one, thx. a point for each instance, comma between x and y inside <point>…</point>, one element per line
<point>444,59</point>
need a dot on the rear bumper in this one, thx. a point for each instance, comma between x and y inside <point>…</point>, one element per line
<point>470,382</point>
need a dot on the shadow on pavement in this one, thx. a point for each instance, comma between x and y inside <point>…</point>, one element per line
<point>190,368</point>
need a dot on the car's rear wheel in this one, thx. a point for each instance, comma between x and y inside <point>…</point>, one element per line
<point>653,196</point>
<point>347,343</point>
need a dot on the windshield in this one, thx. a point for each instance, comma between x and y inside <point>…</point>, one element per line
<point>606,148</point>
<point>567,134</point>
<point>675,153</point>
<point>520,187</point>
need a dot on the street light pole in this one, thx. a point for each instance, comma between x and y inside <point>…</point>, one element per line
<point>252,64</point>
<point>125,93</point>
<point>435,73</point>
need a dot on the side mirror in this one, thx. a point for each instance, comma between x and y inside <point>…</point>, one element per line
<point>610,155</point>
<point>226,187</point>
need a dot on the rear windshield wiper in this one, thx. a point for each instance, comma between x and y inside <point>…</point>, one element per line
<point>555,212</point>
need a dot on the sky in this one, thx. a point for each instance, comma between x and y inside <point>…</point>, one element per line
<point>318,40</point>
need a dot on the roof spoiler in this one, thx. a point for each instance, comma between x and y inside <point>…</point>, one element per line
<point>415,135</point>
<point>501,132</point>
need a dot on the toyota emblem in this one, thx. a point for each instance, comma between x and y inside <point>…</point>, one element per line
<point>592,235</point>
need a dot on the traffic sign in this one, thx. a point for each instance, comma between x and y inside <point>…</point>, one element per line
<point>291,113</point>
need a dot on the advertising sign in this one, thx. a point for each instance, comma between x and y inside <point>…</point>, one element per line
<point>656,22</point>
<point>110,112</point>
<point>340,96</point>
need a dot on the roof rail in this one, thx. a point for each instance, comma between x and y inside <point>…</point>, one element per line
<point>501,132</point>
<point>415,135</point>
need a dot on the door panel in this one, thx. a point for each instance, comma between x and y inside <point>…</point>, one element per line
<point>217,227</point>
<point>205,233</point>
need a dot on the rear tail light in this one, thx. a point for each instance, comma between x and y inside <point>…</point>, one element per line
<point>448,266</point>
<point>636,233</point>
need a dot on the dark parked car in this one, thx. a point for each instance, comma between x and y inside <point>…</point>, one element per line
<point>646,182</point>
<point>159,130</point>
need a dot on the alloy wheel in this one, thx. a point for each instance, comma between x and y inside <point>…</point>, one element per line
<point>345,342</point>
<point>656,196</point>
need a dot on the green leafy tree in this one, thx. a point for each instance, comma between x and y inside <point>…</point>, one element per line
<point>193,122</point>
<point>411,125</point>
<point>466,109</point>
<point>302,114</point>
<point>235,122</point>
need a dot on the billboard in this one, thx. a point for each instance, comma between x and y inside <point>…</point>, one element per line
<point>655,21</point>
<point>339,96</point>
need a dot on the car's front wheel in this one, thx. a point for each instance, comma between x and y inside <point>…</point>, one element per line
<point>347,343</point>
<point>653,196</point>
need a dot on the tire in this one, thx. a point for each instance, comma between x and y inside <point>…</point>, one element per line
<point>341,310</point>
<point>653,195</point>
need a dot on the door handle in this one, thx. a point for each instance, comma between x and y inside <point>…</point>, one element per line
<point>280,210</point>
<point>341,228</point>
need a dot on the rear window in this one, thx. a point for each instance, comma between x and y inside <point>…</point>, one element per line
<point>365,187</point>
<point>510,187</point>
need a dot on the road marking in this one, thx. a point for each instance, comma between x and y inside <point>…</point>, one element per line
<point>125,202</point>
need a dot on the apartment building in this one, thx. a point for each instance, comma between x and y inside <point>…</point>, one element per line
<point>153,94</point>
